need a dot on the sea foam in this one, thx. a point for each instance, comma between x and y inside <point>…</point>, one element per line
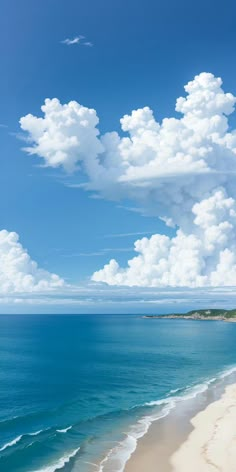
<point>11,443</point>
<point>18,439</point>
<point>60,463</point>
<point>64,430</point>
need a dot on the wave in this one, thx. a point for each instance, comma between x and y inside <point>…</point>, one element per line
<point>37,432</point>
<point>35,416</point>
<point>14,421</point>
<point>60,463</point>
<point>118,456</point>
<point>64,430</point>
<point>7,420</point>
<point>18,438</point>
<point>188,393</point>
<point>227,372</point>
<point>11,443</point>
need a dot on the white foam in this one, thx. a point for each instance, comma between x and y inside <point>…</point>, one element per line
<point>120,454</point>
<point>37,432</point>
<point>175,390</point>
<point>188,393</point>
<point>64,430</point>
<point>11,443</point>
<point>227,372</point>
<point>60,463</point>
<point>18,438</point>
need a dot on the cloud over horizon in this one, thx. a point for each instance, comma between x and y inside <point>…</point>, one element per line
<point>181,170</point>
<point>18,272</point>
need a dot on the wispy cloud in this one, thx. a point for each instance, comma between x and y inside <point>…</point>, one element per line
<point>98,298</point>
<point>81,40</point>
<point>124,235</point>
<point>3,126</point>
<point>101,252</point>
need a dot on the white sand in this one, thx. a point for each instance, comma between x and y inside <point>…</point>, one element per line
<point>211,446</point>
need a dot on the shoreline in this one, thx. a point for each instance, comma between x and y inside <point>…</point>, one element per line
<point>166,436</point>
<point>209,314</point>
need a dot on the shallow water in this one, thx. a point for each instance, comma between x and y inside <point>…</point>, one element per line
<point>76,391</point>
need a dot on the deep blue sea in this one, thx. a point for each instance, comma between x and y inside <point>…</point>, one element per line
<point>76,391</point>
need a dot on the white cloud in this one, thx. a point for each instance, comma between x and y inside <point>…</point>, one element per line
<point>77,40</point>
<point>204,257</point>
<point>18,272</point>
<point>66,136</point>
<point>181,170</point>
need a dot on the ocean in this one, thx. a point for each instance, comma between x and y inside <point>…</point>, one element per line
<point>76,392</point>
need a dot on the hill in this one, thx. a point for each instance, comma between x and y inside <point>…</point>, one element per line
<point>207,314</point>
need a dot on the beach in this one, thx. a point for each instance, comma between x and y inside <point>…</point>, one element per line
<point>199,434</point>
<point>211,445</point>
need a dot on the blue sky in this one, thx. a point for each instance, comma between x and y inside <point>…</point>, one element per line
<point>143,54</point>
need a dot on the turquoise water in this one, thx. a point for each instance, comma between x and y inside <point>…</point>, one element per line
<point>76,391</point>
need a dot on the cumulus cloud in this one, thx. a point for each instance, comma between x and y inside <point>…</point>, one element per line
<point>66,136</point>
<point>181,170</point>
<point>18,272</point>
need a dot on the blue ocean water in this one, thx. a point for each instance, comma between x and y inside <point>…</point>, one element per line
<point>77,391</point>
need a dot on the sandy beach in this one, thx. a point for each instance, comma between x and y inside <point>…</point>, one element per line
<point>211,445</point>
<point>198,435</point>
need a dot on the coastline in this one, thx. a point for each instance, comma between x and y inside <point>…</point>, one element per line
<point>165,442</point>
<point>208,314</point>
<point>189,318</point>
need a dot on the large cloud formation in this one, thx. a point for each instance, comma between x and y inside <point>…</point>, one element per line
<point>18,272</point>
<point>181,170</point>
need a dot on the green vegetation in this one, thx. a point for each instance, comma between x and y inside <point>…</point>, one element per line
<point>213,312</point>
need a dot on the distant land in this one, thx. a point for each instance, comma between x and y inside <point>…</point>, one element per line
<point>209,314</point>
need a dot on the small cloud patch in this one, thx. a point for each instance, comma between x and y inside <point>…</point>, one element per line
<point>79,40</point>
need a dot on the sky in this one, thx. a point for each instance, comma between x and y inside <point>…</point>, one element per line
<point>108,216</point>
